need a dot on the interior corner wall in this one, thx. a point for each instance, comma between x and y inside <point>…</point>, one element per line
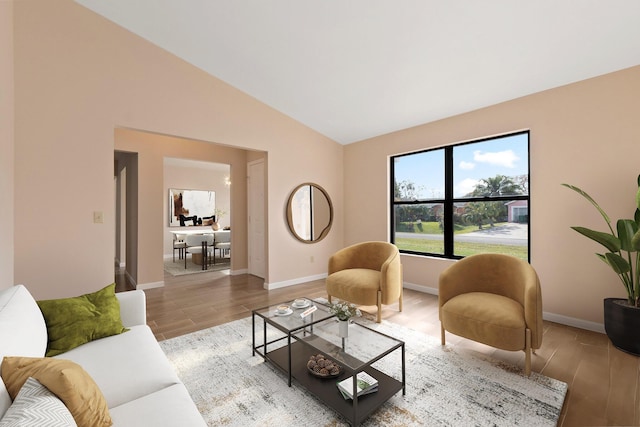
<point>6,144</point>
<point>586,134</point>
<point>79,77</point>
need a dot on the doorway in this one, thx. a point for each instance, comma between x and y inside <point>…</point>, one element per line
<point>126,216</point>
<point>256,216</point>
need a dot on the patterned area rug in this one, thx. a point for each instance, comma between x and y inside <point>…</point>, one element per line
<point>177,268</point>
<point>444,388</point>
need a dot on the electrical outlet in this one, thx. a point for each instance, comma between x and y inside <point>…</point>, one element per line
<point>98,217</point>
<point>311,259</point>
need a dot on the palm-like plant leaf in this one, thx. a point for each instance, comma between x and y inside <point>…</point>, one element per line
<point>623,256</point>
<point>590,199</point>
<point>635,241</point>
<point>627,228</point>
<point>617,263</point>
<point>609,241</point>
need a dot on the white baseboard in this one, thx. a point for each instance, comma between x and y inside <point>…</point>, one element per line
<point>144,285</point>
<point>572,321</point>
<point>551,317</point>
<point>292,282</point>
<point>420,288</point>
<point>150,285</point>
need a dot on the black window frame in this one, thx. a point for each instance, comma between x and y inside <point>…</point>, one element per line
<point>449,200</point>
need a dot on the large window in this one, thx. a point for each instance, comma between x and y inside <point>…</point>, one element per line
<point>463,199</point>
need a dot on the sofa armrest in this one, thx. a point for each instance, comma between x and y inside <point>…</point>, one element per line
<point>133,308</point>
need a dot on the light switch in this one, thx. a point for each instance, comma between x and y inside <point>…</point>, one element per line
<point>98,217</point>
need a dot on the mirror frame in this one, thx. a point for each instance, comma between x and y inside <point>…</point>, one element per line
<point>290,222</point>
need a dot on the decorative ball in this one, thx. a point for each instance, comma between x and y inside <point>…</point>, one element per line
<point>322,366</point>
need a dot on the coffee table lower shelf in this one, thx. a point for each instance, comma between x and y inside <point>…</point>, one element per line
<point>327,390</point>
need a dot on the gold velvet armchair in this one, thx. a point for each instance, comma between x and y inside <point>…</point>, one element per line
<point>493,299</point>
<point>367,273</point>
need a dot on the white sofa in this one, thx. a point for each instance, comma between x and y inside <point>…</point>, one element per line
<point>139,384</point>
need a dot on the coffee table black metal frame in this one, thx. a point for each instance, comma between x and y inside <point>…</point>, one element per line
<point>302,338</point>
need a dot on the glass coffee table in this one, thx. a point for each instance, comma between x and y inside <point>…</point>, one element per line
<point>288,341</point>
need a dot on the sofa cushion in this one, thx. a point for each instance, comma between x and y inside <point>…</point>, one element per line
<point>22,330</point>
<point>65,379</point>
<point>169,407</point>
<point>125,366</point>
<point>75,321</point>
<point>36,406</point>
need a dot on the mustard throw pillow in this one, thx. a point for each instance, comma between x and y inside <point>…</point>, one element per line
<point>72,322</point>
<point>67,380</point>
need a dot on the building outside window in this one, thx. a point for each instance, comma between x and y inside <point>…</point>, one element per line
<point>463,199</point>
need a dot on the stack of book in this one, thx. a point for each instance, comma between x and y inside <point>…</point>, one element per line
<point>365,384</point>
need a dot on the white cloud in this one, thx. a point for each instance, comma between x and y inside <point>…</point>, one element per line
<point>505,158</point>
<point>467,165</point>
<point>464,187</point>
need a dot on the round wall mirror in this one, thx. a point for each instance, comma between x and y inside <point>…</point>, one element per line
<point>309,213</point>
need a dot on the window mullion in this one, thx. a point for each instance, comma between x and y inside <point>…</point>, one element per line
<point>448,204</point>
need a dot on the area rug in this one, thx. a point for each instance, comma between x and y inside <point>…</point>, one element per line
<point>443,387</point>
<point>177,268</point>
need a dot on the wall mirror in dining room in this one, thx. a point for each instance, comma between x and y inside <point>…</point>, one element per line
<point>309,213</point>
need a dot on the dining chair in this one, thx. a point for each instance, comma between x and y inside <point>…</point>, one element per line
<point>178,244</point>
<point>199,244</point>
<point>222,242</point>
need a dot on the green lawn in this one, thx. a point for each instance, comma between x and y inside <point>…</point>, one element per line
<point>434,228</point>
<point>461,248</point>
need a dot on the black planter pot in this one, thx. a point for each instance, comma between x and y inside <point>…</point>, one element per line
<point>622,324</point>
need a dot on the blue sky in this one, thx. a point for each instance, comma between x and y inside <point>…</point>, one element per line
<point>504,156</point>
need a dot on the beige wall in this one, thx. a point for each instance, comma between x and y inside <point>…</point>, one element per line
<point>78,78</point>
<point>6,143</point>
<point>586,134</point>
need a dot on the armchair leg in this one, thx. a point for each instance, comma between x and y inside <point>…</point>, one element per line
<point>329,299</point>
<point>527,353</point>
<point>442,338</point>
<point>401,288</point>
<point>379,318</point>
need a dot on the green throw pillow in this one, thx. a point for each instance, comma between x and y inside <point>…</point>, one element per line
<point>72,322</point>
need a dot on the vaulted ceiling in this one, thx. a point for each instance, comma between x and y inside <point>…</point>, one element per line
<point>354,69</point>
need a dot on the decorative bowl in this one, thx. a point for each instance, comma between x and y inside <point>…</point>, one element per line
<point>322,367</point>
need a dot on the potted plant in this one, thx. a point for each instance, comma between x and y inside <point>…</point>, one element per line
<point>621,316</point>
<point>218,213</point>
<point>344,311</point>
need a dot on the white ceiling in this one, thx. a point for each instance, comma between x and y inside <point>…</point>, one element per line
<point>354,69</point>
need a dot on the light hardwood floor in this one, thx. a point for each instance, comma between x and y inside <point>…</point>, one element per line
<point>604,387</point>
